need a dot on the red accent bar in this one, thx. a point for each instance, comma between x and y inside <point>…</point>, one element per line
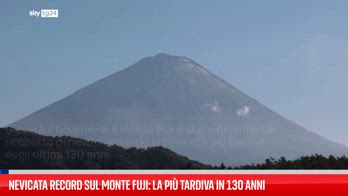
<point>274,184</point>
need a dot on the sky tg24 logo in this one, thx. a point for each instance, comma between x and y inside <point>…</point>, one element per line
<point>45,13</point>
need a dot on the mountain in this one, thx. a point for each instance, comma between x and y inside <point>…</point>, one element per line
<point>174,102</point>
<point>26,150</point>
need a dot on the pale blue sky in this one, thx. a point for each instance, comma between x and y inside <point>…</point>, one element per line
<point>290,55</point>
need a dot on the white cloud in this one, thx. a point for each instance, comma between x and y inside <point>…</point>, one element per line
<point>215,107</point>
<point>243,111</point>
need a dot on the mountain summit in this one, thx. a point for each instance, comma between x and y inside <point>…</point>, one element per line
<point>175,102</point>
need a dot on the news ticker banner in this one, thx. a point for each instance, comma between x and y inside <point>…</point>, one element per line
<point>173,182</point>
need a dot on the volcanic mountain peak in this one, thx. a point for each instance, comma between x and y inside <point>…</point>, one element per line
<point>163,61</point>
<point>174,102</point>
<point>179,67</point>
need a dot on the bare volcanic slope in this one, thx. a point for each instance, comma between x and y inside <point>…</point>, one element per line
<point>174,102</point>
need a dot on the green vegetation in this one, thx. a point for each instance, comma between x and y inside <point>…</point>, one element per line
<point>316,161</point>
<point>27,150</point>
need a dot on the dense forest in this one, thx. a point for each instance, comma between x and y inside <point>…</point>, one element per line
<point>27,150</point>
<point>316,161</point>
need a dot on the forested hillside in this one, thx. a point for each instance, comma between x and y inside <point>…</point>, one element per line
<point>27,150</point>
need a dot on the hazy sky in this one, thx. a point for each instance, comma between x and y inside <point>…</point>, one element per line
<point>290,55</point>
